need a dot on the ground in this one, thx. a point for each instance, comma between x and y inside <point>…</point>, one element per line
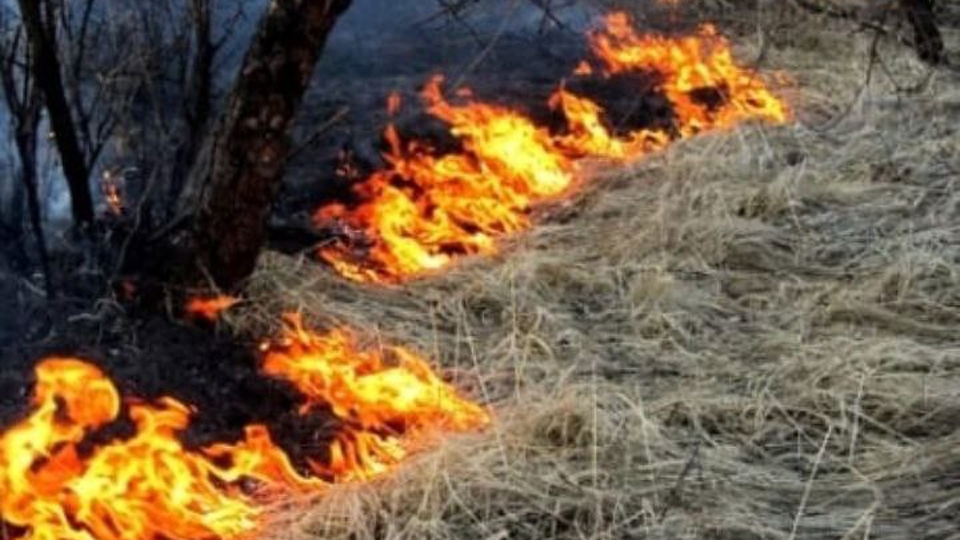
<point>750,335</point>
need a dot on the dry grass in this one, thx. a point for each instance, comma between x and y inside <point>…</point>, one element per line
<point>752,335</point>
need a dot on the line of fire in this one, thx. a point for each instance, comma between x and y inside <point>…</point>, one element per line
<point>87,458</point>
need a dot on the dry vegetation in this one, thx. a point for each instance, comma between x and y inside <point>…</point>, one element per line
<point>752,335</point>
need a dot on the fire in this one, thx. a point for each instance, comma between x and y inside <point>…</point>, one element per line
<point>144,487</point>
<point>689,66</point>
<point>588,136</point>
<point>210,308</point>
<point>376,392</point>
<point>425,209</point>
<point>59,483</point>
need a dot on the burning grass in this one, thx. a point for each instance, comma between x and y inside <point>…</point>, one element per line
<point>62,479</point>
<point>426,209</point>
<point>750,335</point>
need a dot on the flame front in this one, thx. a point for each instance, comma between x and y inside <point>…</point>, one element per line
<point>389,398</point>
<point>58,483</point>
<point>688,66</point>
<point>425,209</point>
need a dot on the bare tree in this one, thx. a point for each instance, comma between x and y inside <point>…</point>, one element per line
<point>24,104</point>
<point>39,22</point>
<point>234,182</point>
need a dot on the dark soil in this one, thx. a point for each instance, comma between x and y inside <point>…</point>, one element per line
<point>148,356</point>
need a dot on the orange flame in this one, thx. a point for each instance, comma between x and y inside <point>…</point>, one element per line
<point>457,203</point>
<point>142,488</point>
<point>688,65</point>
<point>425,209</point>
<point>210,308</point>
<point>374,391</point>
<point>57,483</point>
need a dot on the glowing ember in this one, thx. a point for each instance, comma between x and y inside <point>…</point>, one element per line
<point>210,308</point>
<point>57,483</point>
<point>426,209</point>
<point>110,187</point>
<point>376,392</point>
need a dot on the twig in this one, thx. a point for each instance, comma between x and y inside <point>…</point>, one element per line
<point>546,6</point>
<point>486,51</point>
<point>447,7</point>
<point>320,130</point>
<point>454,10</point>
<point>137,220</point>
<point>673,498</point>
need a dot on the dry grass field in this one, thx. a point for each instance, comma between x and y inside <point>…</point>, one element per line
<point>754,334</point>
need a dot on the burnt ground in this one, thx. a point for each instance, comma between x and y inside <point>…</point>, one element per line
<point>150,355</point>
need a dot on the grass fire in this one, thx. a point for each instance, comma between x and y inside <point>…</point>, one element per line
<point>425,209</point>
<point>479,270</point>
<point>61,480</point>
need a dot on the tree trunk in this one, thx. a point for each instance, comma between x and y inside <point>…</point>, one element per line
<point>45,65</point>
<point>26,138</point>
<point>926,36</point>
<point>235,182</point>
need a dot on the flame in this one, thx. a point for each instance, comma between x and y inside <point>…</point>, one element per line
<point>689,65</point>
<point>394,101</point>
<point>376,392</point>
<point>425,209</point>
<point>58,483</point>
<point>144,487</point>
<point>209,308</point>
<point>588,136</point>
<point>583,68</point>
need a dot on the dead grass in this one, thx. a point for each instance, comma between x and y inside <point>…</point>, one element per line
<point>752,335</point>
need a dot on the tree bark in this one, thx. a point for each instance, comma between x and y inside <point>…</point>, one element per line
<point>45,65</point>
<point>926,36</point>
<point>235,181</point>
